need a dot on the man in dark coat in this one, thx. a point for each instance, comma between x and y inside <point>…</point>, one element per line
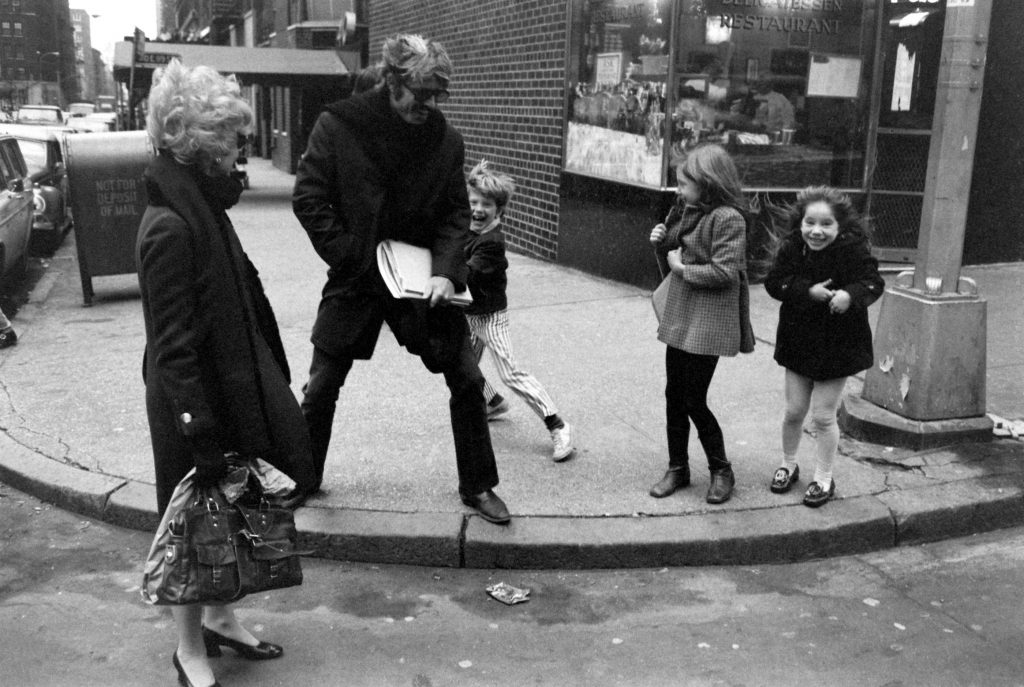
<point>385,164</point>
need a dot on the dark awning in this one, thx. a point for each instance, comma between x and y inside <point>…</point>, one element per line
<point>263,66</point>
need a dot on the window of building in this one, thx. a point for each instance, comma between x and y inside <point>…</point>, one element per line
<point>5,28</point>
<point>785,86</point>
<point>620,58</point>
<point>17,28</point>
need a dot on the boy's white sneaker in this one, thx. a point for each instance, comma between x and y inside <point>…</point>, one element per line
<point>562,440</point>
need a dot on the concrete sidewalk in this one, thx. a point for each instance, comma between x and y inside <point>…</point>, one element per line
<point>75,433</point>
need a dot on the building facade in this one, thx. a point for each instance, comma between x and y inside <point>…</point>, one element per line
<point>84,67</point>
<point>285,111</point>
<point>589,102</point>
<point>37,56</point>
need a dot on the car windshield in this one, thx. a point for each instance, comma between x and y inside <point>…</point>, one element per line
<point>34,114</point>
<point>34,153</point>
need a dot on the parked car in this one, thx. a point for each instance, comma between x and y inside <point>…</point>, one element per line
<point>40,114</point>
<point>15,210</point>
<point>81,109</point>
<point>44,161</point>
<point>98,121</point>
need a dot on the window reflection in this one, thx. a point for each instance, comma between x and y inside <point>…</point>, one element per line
<point>784,85</point>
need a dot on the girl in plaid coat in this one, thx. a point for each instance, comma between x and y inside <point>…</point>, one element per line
<point>707,311</point>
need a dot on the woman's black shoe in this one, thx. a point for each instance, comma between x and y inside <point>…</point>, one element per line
<point>675,478</point>
<point>182,677</point>
<point>261,652</point>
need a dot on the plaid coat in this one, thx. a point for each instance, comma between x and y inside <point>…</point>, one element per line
<point>707,311</point>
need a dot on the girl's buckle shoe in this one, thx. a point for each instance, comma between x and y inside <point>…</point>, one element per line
<point>816,496</point>
<point>784,480</point>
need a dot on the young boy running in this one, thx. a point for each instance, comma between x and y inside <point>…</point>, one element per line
<point>489,193</point>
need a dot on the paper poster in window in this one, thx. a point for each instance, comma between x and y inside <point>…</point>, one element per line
<point>608,68</point>
<point>833,76</point>
<point>753,65</point>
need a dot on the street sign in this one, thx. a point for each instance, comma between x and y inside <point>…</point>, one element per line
<point>149,59</point>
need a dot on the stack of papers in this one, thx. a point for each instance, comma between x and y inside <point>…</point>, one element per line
<point>406,269</point>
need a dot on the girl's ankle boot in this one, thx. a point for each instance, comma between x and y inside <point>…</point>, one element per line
<point>676,477</point>
<point>722,480</point>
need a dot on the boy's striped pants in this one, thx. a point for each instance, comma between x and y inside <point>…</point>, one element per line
<point>491,331</point>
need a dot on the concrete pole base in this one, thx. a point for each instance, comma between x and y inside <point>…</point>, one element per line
<point>929,355</point>
<point>866,421</point>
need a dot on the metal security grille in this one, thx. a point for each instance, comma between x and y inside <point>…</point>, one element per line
<point>897,192</point>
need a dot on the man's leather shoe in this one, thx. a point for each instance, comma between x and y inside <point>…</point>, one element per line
<point>722,482</point>
<point>675,478</point>
<point>489,505</point>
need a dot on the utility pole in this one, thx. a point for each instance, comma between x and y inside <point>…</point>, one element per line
<point>927,386</point>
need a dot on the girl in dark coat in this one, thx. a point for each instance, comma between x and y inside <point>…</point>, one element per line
<point>215,371</point>
<point>826,278</point>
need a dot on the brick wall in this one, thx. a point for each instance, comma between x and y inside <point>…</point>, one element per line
<point>508,94</point>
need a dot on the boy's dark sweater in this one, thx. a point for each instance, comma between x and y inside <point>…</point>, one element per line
<point>485,255</point>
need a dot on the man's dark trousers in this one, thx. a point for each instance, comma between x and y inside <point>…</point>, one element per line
<point>474,454</point>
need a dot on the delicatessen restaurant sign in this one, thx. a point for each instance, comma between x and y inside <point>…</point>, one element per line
<point>786,16</point>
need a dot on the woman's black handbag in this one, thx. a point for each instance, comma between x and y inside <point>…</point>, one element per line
<point>207,550</point>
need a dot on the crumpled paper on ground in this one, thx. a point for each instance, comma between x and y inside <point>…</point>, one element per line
<point>507,594</point>
<point>1001,427</point>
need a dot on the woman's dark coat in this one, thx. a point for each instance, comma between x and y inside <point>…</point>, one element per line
<point>214,367</point>
<point>810,340</point>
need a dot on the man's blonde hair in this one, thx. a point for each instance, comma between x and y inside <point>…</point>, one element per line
<point>415,58</point>
<point>497,186</point>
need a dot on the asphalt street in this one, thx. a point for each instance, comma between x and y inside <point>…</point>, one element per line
<point>939,615</point>
<point>75,431</point>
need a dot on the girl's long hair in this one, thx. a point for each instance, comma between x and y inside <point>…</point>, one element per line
<point>849,220</point>
<point>788,218</point>
<point>712,169</point>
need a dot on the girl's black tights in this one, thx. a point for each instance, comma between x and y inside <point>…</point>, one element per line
<point>688,377</point>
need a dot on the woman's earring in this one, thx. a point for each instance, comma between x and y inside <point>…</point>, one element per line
<point>218,160</point>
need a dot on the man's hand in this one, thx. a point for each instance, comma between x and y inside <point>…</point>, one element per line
<point>439,290</point>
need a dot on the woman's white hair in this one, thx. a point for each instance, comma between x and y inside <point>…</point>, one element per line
<point>196,113</point>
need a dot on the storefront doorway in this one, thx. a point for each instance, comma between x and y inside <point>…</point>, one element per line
<point>909,50</point>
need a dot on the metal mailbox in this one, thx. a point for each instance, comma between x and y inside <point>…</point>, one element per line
<point>107,198</point>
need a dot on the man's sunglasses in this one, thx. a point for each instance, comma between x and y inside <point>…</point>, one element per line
<point>422,95</point>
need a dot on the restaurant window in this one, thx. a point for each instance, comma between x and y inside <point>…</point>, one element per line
<point>783,84</point>
<point>618,90</point>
